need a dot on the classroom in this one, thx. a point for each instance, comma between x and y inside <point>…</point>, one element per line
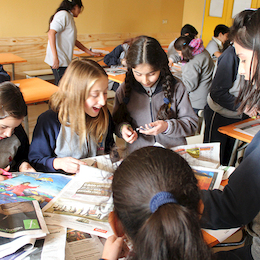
<point>107,130</point>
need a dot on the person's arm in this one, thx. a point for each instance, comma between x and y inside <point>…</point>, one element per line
<point>224,78</point>
<point>185,121</point>
<point>239,202</point>
<point>113,58</point>
<point>52,41</point>
<point>85,49</point>
<point>123,129</point>
<point>22,153</point>
<point>217,53</point>
<point>41,153</point>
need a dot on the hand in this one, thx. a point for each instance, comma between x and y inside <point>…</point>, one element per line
<point>97,54</point>
<point>114,248</point>
<point>154,128</point>
<point>55,63</point>
<point>26,167</point>
<point>251,113</point>
<point>3,177</point>
<point>67,164</point>
<point>123,62</point>
<point>128,134</point>
<point>170,62</point>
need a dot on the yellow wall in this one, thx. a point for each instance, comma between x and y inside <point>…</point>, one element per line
<point>211,22</point>
<point>193,13</point>
<point>30,17</point>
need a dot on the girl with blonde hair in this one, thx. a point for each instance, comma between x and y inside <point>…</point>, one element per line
<point>78,125</point>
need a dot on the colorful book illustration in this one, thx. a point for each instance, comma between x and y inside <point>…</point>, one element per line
<point>42,187</point>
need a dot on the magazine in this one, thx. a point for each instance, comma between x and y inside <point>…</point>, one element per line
<point>115,71</point>
<point>22,218</point>
<point>205,155</point>
<point>81,245</point>
<point>10,245</point>
<point>28,186</point>
<point>208,179</point>
<point>84,203</point>
<point>249,128</point>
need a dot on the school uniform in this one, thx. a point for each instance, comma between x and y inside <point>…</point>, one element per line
<point>63,23</point>
<point>221,109</point>
<point>14,149</point>
<point>51,140</point>
<point>213,46</point>
<point>239,203</point>
<point>143,108</point>
<point>197,76</point>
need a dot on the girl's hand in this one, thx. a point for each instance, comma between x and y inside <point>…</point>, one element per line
<point>128,134</point>
<point>114,248</point>
<point>26,167</point>
<point>251,113</point>
<point>4,177</point>
<point>55,63</point>
<point>154,128</point>
<point>67,164</point>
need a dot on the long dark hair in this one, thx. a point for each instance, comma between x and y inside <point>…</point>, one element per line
<point>67,5</point>
<point>182,44</point>
<point>11,101</point>
<point>246,32</point>
<point>173,230</point>
<point>147,50</point>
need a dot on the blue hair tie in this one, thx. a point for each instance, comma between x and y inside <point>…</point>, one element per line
<point>126,100</point>
<point>166,100</point>
<point>184,43</point>
<point>160,199</point>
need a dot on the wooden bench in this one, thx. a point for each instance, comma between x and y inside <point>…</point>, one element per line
<point>45,74</point>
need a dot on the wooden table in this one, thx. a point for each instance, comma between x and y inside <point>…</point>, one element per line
<point>35,90</point>
<point>10,58</point>
<point>230,131</point>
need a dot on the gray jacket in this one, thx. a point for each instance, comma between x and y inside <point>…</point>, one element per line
<point>197,77</point>
<point>144,109</point>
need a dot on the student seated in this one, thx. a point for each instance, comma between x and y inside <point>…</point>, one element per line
<point>197,70</point>
<point>186,30</point>
<point>14,143</point>
<point>116,58</point>
<point>156,208</point>
<point>78,125</point>
<point>216,46</point>
<point>152,105</point>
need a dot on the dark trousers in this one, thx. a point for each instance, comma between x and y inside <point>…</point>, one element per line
<point>243,253</point>
<point>213,121</point>
<point>58,73</point>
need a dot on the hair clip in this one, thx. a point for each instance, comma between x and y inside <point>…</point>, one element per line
<point>184,43</point>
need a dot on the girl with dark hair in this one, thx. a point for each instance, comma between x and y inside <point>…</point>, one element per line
<point>156,206</point>
<point>14,143</point>
<point>239,203</point>
<point>197,70</point>
<point>62,35</point>
<point>152,100</point>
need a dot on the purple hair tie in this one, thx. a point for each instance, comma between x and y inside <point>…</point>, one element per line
<point>160,199</point>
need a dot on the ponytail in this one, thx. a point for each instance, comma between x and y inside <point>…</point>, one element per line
<point>172,232</point>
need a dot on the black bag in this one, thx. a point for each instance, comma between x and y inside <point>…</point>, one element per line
<point>3,75</point>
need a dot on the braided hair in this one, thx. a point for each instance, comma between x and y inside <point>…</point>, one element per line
<point>147,50</point>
